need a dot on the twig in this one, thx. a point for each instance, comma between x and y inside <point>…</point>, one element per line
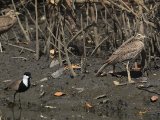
<point>20,24</point>
<point>83,58</point>
<point>123,8</point>
<point>20,58</point>
<point>37,40</point>
<point>95,29</point>
<point>80,31</point>
<point>148,90</point>
<point>58,41</point>
<point>42,32</point>
<point>99,45</point>
<point>66,52</point>
<point>129,8</point>
<point>1,47</point>
<point>21,47</point>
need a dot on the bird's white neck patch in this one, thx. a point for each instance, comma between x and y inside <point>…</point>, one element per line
<point>25,80</point>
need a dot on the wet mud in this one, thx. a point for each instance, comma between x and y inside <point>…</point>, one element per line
<point>85,96</point>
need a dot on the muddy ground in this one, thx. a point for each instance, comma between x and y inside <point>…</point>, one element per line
<point>108,102</point>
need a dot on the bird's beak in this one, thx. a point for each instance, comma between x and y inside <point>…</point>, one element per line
<point>17,13</point>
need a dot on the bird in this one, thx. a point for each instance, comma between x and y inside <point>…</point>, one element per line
<point>129,50</point>
<point>7,21</point>
<point>20,85</point>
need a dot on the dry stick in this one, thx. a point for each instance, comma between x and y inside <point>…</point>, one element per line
<point>67,27</point>
<point>84,1</point>
<point>19,58</point>
<point>99,45</point>
<point>141,3</point>
<point>68,61</point>
<point>118,26</point>
<point>59,53</point>
<point>66,52</point>
<point>83,58</point>
<point>80,31</point>
<point>150,91</point>
<point>59,42</point>
<point>87,13</point>
<point>84,45</point>
<point>153,8</point>
<point>4,36</point>
<point>93,17</point>
<point>104,18</point>
<point>16,37</point>
<point>124,24</point>
<point>129,8</point>
<point>158,43</point>
<point>27,25</point>
<point>20,24</point>
<point>114,23</point>
<point>57,48</point>
<point>1,47</point>
<point>21,47</point>
<point>149,56</point>
<point>97,37</point>
<point>148,22</point>
<point>129,26</point>
<point>37,40</point>
<point>48,41</point>
<point>42,32</point>
<point>48,38</point>
<point>141,26</point>
<point>153,46</point>
<point>123,8</point>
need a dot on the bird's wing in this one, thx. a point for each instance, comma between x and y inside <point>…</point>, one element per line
<point>128,41</point>
<point>126,52</point>
<point>5,23</point>
<point>14,85</point>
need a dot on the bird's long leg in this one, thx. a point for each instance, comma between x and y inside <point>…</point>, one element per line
<point>14,97</point>
<point>128,73</point>
<point>19,98</point>
<point>114,67</point>
<point>136,65</point>
<point>19,102</point>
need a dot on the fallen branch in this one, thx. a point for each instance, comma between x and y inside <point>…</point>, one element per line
<point>20,58</point>
<point>150,91</point>
<point>55,2</point>
<point>21,47</point>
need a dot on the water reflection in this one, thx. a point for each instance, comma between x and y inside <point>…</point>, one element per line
<point>16,115</point>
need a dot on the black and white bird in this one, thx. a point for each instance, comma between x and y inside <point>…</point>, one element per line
<point>20,85</point>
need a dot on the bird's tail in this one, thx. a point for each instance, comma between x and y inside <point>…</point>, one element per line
<point>102,68</point>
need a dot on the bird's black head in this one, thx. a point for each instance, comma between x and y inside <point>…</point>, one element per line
<point>28,74</point>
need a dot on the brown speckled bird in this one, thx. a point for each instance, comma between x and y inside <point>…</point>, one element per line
<point>126,52</point>
<point>7,21</point>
